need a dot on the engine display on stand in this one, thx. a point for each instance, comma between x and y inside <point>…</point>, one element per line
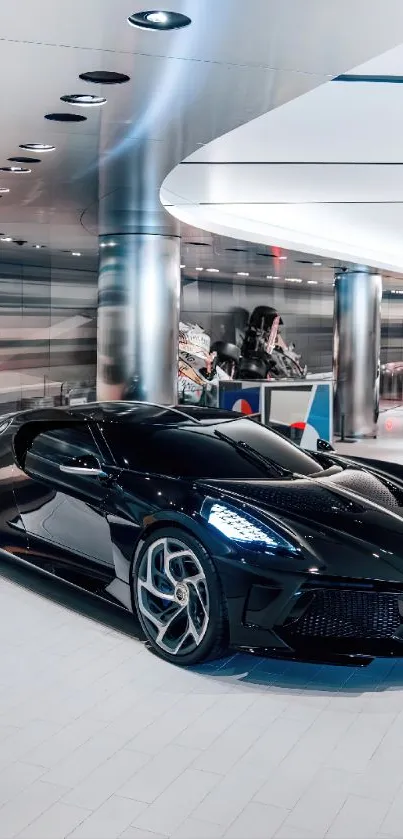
<point>262,355</point>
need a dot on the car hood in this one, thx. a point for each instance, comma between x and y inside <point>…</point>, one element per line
<point>353,503</point>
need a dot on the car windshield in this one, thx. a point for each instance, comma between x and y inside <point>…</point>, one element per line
<point>238,449</point>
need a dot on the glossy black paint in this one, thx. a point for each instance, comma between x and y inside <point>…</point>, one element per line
<point>345,519</point>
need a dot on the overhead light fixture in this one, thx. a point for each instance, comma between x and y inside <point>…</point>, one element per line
<point>38,247</point>
<point>293,280</point>
<point>213,270</point>
<point>24,160</point>
<point>282,257</point>
<point>183,266</point>
<point>16,170</point>
<point>107,245</point>
<point>242,274</point>
<point>84,100</point>
<point>396,291</point>
<point>75,253</point>
<point>158,20</point>
<point>317,264</point>
<point>198,268</point>
<point>158,17</point>
<point>312,282</point>
<point>4,189</point>
<point>104,77</point>
<point>41,147</point>
<point>6,239</point>
<point>65,117</point>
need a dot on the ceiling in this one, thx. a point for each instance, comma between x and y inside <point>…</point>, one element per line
<point>322,174</point>
<point>246,262</point>
<point>235,63</point>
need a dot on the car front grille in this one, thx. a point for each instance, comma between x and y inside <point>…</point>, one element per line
<point>348,614</point>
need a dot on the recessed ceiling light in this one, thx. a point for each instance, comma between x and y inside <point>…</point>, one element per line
<point>183,266</point>
<point>84,100</point>
<point>158,20</point>
<point>104,77</point>
<point>16,170</point>
<point>42,147</point>
<point>198,268</point>
<point>270,277</point>
<point>4,189</point>
<point>317,264</point>
<point>282,257</point>
<point>293,280</point>
<point>24,160</point>
<point>242,274</point>
<point>65,117</point>
<point>312,282</point>
<point>6,239</point>
<point>75,253</point>
<point>213,270</point>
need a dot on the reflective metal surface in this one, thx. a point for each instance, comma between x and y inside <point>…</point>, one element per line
<point>356,352</point>
<point>138,317</point>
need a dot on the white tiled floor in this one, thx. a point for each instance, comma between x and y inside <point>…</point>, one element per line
<point>99,739</point>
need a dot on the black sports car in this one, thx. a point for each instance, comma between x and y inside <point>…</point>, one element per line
<point>216,530</point>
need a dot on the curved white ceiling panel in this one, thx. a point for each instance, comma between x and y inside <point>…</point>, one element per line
<point>322,174</point>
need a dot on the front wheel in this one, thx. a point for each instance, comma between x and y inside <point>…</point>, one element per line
<point>178,599</point>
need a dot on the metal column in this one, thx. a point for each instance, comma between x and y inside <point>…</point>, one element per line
<point>356,352</point>
<point>138,317</point>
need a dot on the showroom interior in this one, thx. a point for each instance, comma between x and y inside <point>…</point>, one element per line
<point>201,420</point>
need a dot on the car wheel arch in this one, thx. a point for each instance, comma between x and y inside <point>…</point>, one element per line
<point>186,523</point>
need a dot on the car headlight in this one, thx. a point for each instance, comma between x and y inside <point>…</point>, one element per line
<point>241,527</point>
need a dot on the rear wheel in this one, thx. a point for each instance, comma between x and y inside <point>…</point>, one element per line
<point>178,598</point>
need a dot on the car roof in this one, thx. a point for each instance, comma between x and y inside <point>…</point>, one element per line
<point>127,411</point>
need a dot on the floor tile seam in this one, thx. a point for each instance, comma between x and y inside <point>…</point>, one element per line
<point>27,786</point>
<point>150,723</point>
<point>59,800</point>
<point>93,812</point>
<point>286,810</point>
<point>56,786</point>
<point>190,814</point>
<point>348,795</point>
<point>398,795</point>
<point>102,766</point>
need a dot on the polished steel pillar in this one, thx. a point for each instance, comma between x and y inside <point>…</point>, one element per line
<point>356,351</point>
<point>138,317</point>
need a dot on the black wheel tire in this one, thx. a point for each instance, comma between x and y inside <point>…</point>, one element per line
<point>214,643</point>
<point>226,352</point>
<point>252,368</point>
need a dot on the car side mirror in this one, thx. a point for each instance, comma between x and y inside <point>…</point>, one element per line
<point>87,465</point>
<point>324,446</point>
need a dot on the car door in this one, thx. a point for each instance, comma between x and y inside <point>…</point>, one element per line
<point>64,513</point>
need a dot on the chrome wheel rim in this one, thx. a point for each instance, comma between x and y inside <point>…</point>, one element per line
<point>172,596</point>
